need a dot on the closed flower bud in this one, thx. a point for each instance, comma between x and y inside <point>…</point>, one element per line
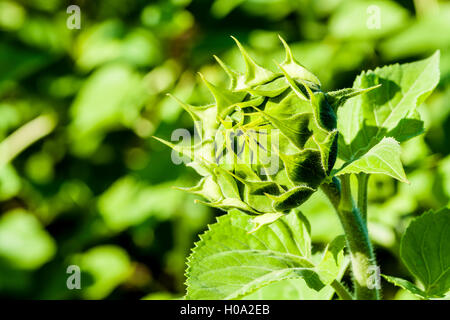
<point>269,140</point>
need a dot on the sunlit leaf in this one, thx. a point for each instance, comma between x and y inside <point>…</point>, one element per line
<point>108,266</point>
<point>425,250</point>
<point>389,110</point>
<point>230,263</point>
<point>405,284</point>
<point>383,158</point>
<point>23,241</point>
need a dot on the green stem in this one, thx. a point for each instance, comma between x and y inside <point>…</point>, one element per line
<point>341,291</point>
<point>363,179</point>
<point>25,136</point>
<point>358,242</point>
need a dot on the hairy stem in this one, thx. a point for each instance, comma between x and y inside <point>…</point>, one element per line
<point>341,291</point>
<point>363,179</point>
<point>361,252</point>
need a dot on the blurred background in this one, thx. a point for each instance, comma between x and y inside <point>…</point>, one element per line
<point>81,180</point>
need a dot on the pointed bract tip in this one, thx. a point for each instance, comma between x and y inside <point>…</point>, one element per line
<point>174,98</point>
<point>184,105</point>
<point>167,143</point>
<point>256,227</point>
<point>257,109</point>
<point>292,84</point>
<point>289,57</point>
<point>247,59</point>
<point>374,87</point>
<point>221,63</point>
<point>227,69</point>
<point>236,40</point>
<point>200,75</point>
<point>233,75</point>
<point>264,219</point>
<point>209,84</point>
<point>241,48</point>
<point>271,197</point>
<point>156,138</point>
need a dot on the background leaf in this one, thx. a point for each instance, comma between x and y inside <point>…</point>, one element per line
<point>23,242</point>
<point>366,20</point>
<point>425,250</point>
<point>421,37</point>
<point>108,266</point>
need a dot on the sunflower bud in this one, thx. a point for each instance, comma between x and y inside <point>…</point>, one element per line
<point>267,142</point>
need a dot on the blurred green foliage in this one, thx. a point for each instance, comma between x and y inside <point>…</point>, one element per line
<point>82,182</point>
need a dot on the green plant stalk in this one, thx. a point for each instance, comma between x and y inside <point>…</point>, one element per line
<point>341,291</point>
<point>363,179</point>
<point>358,242</point>
<point>25,136</point>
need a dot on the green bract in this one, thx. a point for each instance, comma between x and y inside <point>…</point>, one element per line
<point>268,142</point>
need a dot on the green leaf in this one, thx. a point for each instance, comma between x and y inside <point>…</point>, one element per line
<point>382,158</point>
<point>290,289</point>
<point>17,63</point>
<point>333,256</point>
<point>424,35</point>
<point>405,284</point>
<point>112,96</point>
<point>130,201</point>
<point>339,97</point>
<point>386,111</point>
<point>366,20</point>
<point>297,289</point>
<point>425,250</point>
<point>264,219</point>
<point>111,41</point>
<point>24,243</point>
<point>231,263</point>
<point>108,265</point>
